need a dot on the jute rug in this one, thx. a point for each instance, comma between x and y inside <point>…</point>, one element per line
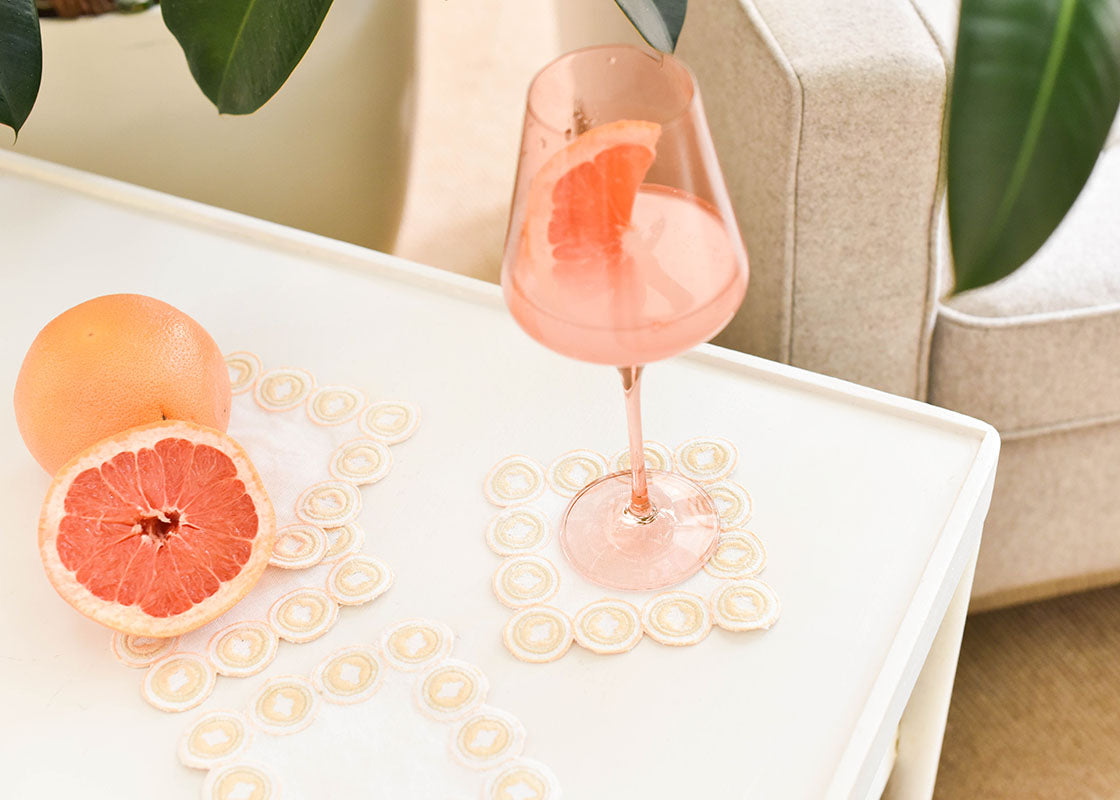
<point>1036,705</point>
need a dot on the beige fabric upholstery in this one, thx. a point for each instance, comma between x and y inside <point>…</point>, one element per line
<point>1055,517</point>
<point>1038,355</point>
<point>1076,271</point>
<point>817,109</point>
<point>828,121</point>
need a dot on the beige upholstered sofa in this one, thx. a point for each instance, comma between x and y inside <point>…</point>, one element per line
<point>829,119</point>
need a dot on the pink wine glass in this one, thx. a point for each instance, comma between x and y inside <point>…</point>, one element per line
<point>622,249</point>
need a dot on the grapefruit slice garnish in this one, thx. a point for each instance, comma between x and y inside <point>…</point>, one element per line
<point>157,530</point>
<point>580,200</point>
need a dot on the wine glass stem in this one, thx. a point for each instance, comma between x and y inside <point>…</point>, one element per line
<point>640,506</point>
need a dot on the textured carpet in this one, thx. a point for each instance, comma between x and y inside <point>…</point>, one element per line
<point>1036,705</point>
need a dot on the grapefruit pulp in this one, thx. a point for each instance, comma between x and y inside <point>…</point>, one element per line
<point>580,201</point>
<point>157,530</point>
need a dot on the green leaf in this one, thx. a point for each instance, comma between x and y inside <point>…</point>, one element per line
<point>241,51</point>
<point>658,21</point>
<point>1035,90</point>
<point>21,61</point>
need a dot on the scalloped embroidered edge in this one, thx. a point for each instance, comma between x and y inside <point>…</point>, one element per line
<point>253,367</point>
<point>490,769</point>
<point>722,479</point>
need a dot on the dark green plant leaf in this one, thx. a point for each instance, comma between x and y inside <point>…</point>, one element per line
<point>241,51</point>
<point>1035,90</point>
<point>658,21</point>
<point>21,61</point>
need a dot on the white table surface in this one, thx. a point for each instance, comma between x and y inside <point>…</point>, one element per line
<point>869,506</point>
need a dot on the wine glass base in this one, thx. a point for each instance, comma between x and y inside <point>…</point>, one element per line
<point>609,546</point>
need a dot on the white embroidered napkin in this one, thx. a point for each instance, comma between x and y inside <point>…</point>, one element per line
<point>314,446</point>
<point>393,717</point>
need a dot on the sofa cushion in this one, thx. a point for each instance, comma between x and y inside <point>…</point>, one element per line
<point>828,118</point>
<point>1040,350</point>
<point>1054,516</point>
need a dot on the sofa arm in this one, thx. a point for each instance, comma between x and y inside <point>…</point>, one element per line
<point>827,117</point>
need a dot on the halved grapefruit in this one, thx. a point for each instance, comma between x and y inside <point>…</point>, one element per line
<point>580,201</point>
<point>157,530</point>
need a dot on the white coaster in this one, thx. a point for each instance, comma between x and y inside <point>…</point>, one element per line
<point>525,581</point>
<point>283,389</point>
<point>706,459</point>
<point>391,421</point>
<point>243,648</point>
<point>538,634</point>
<point>333,405</point>
<point>572,471</point>
<point>299,546</point>
<point>608,626</point>
<point>746,605</point>
<point>515,479</point>
<point>555,605</point>
<point>740,554</point>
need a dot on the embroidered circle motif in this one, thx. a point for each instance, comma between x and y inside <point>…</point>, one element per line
<point>238,782</point>
<point>358,579</point>
<point>522,529</point>
<point>344,540</point>
<point>515,479</point>
<point>413,644</point>
<point>298,546</point>
<point>608,627</point>
<point>523,780</point>
<point>733,503</point>
<point>487,738</point>
<point>284,705</point>
<point>214,737</point>
<point>329,504</point>
<point>740,554</point>
<point>349,675</point>
<point>303,615</point>
<point>243,369</point>
<point>243,648</point>
<point>141,651</point>
<point>572,471</point>
<point>361,461</point>
<point>657,456</point>
<point>178,682</point>
<point>538,634</point>
<point>333,405</point>
<point>391,421</point>
<point>745,606</point>
<point>283,389</point>
<point>677,618</point>
<point>451,690</point>
<point>525,580</point>
<point>706,459</point>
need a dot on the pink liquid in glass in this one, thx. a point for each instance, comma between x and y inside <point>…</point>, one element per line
<point>677,283</point>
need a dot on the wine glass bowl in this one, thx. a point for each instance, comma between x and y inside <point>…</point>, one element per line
<point>622,249</point>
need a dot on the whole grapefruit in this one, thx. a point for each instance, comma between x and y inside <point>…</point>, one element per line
<point>113,363</point>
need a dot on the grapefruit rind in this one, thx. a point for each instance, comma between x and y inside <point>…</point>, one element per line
<point>131,619</point>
